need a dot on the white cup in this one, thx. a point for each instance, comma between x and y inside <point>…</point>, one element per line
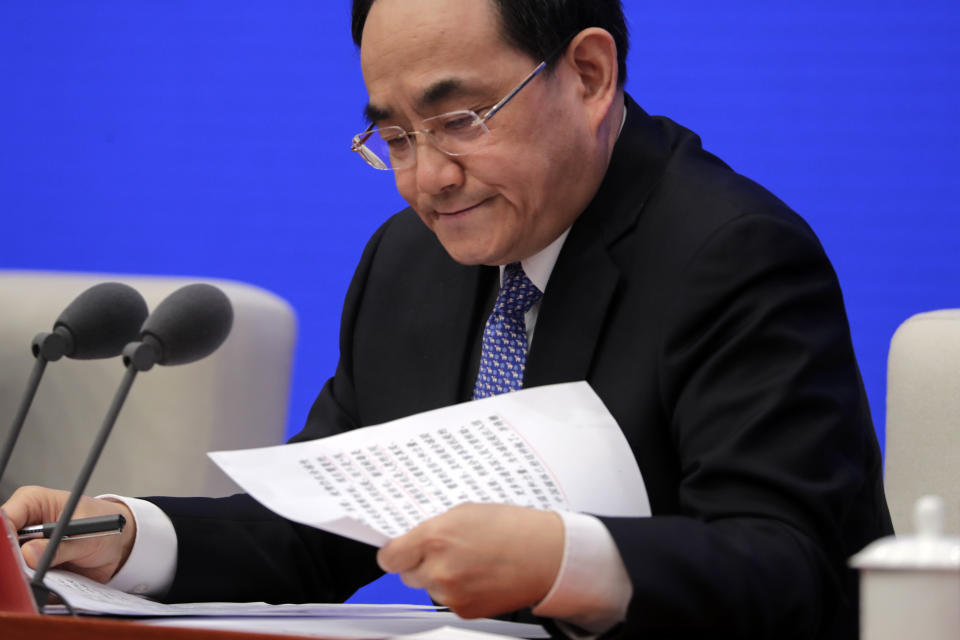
<point>910,584</point>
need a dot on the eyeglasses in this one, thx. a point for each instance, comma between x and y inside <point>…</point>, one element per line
<point>456,133</point>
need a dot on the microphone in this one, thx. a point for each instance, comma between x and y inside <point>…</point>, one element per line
<point>97,324</point>
<point>190,324</point>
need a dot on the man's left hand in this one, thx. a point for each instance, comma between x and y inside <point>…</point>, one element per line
<point>480,559</point>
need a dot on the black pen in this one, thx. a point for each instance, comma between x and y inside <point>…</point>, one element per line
<point>80,528</point>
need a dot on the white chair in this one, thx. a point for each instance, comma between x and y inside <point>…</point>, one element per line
<point>923,417</point>
<point>235,398</point>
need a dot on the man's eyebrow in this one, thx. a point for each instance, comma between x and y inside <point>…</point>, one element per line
<point>373,113</point>
<point>440,91</point>
<point>431,96</point>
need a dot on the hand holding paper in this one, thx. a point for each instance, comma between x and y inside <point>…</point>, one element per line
<point>466,556</point>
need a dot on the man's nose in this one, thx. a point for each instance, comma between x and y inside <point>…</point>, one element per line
<point>436,171</point>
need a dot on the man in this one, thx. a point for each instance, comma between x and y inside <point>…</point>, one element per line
<point>698,306</point>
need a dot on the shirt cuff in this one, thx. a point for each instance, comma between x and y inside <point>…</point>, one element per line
<point>592,590</point>
<point>152,562</point>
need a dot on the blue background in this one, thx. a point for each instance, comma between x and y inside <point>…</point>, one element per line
<point>211,139</point>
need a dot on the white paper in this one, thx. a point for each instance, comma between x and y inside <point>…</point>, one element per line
<point>88,596</point>
<point>551,447</point>
<point>443,625</point>
<point>320,620</point>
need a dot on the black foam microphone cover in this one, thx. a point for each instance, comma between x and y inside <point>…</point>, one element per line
<point>101,320</point>
<point>190,324</point>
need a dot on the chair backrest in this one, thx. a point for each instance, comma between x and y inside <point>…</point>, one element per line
<point>923,417</point>
<point>235,398</point>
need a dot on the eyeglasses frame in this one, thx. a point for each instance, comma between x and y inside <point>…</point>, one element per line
<point>358,141</point>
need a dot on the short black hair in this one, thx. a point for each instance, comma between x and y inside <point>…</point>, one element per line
<point>539,27</point>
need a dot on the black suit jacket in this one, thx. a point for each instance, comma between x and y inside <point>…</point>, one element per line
<point>706,316</point>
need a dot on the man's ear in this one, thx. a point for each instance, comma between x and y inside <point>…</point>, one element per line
<point>592,55</point>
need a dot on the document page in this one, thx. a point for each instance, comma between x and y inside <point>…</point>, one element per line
<point>428,626</point>
<point>319,620</point>
<point>88,596</point>
<point>551,447</point>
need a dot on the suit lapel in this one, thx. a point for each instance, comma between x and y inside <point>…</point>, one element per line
<point>572,313</point>
<point>467,297</point>
<point>585,279</point>
<point>417,323</point>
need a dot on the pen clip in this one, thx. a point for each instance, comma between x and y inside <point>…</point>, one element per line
<point>84,536</point>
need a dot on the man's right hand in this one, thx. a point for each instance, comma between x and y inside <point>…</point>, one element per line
<point>97,558</point>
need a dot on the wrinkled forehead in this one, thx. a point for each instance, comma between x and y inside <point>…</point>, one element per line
<point>431,50</point>
<point>430,24</point>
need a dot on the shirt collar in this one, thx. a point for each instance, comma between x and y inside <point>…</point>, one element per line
<point>539,266</point>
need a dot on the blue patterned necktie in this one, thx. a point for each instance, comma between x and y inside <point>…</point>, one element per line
<point>504,352</point>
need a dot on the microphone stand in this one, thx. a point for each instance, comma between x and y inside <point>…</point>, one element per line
<point>46,347</point>
<point>39,365</point>
<point>96,324</point>
<point>137,356</point>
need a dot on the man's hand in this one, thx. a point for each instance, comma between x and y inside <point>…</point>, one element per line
<point>96,558</point>
<point>480,559</point>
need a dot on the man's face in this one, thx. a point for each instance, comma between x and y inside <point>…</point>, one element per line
<point>516,194</point>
